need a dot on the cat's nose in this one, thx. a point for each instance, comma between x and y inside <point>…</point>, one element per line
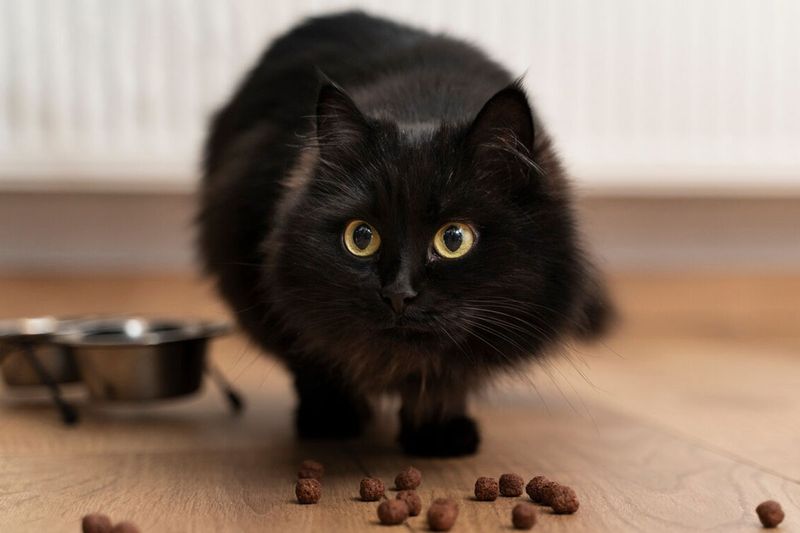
<point>398,298</point>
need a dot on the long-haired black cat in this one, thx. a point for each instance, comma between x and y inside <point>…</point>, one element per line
<point>384,212</point>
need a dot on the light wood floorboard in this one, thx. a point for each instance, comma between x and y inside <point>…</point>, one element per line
<point>684,420</point>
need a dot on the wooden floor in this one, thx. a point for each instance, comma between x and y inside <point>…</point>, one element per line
<point>684,420</point>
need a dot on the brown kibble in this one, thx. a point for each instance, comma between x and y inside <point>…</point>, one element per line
<point>442,514</point>
<point>486,489</point>
<point>412,500</point>
<point>125,527</point>
<point>523,516</point>
<point>563,499</point>
<point>392,512</point>
<point>408,479</point>
<point>770,513</point>
<point>96,523</point>
<point>308,490</point>
<point>538,488</point>
<point>310,469</point>
<point>511,485</point>
<point>371,489</point>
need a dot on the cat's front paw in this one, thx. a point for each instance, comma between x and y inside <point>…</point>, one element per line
<point>331,420</point>
<point>447,438</point>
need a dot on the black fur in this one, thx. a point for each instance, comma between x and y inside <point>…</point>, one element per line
<point>353,117</point>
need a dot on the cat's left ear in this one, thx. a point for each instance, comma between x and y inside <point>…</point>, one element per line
<point>504,126</point>
<point>340,124</point>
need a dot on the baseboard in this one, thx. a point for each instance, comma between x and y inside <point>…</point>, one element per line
<point>97,233</point>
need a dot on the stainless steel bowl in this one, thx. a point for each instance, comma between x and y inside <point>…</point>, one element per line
<point>134,359</point>
<point>35,335</point>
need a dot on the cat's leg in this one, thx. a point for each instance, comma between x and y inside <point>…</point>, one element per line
<point>327,407</point>
<point>434,423</point>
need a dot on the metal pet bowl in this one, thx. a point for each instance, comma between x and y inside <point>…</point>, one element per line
<point>119,359</point>
<point>26,349</point>
<point>136,359</point>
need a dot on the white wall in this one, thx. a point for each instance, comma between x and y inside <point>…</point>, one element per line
<point>644,96</point>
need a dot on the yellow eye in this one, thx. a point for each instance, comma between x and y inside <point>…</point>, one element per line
<point>361,239</point>
<point>454,240</point>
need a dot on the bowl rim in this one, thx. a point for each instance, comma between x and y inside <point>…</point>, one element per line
<point>79,333</point>
<point>34,328</point>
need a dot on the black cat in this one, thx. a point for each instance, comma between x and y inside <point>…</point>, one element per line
<point>384,212</point>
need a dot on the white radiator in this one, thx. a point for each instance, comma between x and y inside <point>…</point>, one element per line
<point>642,95</point>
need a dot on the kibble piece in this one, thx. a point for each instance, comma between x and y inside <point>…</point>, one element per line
<point>539,489</point>
<point>413,501</point>
<point>563,500</point>
<point>442,514</point>
<point>486,489</point>
<point>770,513</point>
<point>310,469</point>
<point>511,485</point>
<point>408,479</point>
<point>125,527</point>
<point>392,512</point>
<point>371,489</point>
<point>308,490</point>
<point>96,523</point>
<point>523,516</point>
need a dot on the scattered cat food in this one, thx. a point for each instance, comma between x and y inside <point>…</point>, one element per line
<point>125,527</point>
<point>442,514</point>
<point>96,523</point>
<point>523,516</point>
<point>408,479</point>
<point>770,513</point>
<point>511,485</point>
<point>371,489</point>
<point>412,500</point>
<point>538,489</point>
<point>308,490</point>
<point>392,512</point>
<point>562,499</point>
<point>486,489</point>
<point>310,469</point>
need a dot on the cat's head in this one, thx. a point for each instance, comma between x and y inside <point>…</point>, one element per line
<point>454,241</point>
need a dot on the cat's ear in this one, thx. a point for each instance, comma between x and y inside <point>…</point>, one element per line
<point>339,122</point>
<point>503,127</point>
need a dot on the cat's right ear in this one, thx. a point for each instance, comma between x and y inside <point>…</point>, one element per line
<point>340,125</point>
<point>501,137</point>
<point>506,119</point>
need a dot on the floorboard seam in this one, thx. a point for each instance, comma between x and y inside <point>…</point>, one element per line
<point>707,446</point>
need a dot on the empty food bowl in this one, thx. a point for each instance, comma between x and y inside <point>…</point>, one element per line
<point>134,359</point>
<point>26,349</point>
